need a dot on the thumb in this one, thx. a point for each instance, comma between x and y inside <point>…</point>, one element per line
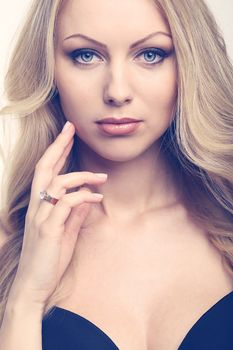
<point>73,225</point>
<point>77,216</point>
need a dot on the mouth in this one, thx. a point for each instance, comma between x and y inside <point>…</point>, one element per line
<point>119,128</point>
<point>117,121</point>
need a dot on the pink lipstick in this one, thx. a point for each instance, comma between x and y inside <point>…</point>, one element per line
<point>118,126</point>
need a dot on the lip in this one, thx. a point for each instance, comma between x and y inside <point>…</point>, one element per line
<point>111,120</point>
<point>119,128</point>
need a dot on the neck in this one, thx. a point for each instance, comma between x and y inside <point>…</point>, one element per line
<point>133,187</point>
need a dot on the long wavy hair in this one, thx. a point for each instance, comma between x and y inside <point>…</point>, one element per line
<point>199,140</point>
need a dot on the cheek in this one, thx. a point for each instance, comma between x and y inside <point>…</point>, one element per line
<point>75,93</point>
<point>69,85</point>
<point>163,95</point>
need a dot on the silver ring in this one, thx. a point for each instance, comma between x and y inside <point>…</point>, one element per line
<point>46,197</point>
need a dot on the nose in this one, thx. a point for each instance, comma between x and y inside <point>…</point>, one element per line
<point>117,91</point>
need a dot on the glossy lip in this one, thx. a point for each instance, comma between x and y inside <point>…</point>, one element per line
<point>117,120</point>
<point>119,128</point>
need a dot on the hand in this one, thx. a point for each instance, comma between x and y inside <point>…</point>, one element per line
<point>51,231</point>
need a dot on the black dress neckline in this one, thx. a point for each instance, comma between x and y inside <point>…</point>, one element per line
<point>56,310</point>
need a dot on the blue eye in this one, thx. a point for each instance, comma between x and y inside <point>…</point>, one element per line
<point>152,56</point>
<point>84,54</point>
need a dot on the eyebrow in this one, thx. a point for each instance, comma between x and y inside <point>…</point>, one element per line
<point>78,35</point>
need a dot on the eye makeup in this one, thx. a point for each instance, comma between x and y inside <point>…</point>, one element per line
<point>155,56</point>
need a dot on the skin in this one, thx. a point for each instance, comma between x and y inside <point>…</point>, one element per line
<point>119,81</point>
<point>158,274</point>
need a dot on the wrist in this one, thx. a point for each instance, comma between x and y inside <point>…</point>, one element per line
<point>22,307</point>
<point>21,327</point>
<point>20,300</point>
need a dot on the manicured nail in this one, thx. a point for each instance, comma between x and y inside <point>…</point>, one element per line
<point>98,195</point>
<point>66,127</point>
<point>102,175</point>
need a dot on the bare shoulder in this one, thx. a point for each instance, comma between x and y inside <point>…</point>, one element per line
<point>205,258</point>
<point>195,253</point>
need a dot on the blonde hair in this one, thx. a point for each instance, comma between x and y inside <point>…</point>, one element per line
<point>199,141</point>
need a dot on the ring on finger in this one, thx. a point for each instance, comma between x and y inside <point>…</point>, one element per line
<point>45,196</point>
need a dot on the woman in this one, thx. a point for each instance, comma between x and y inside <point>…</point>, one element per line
<point>147,262</point>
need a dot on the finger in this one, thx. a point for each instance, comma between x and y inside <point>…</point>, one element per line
<point>54,225</point>
<point>74,179</point>
<point>56,149</point>
<point>76,218</point>
<point>73,225</point>
<point>78,215</point>
<point>61,162</point>
<point>43,176</point>
<point>48,161</point>
<point>60,184</point>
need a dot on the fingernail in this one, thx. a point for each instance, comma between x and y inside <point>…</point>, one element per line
<point>98,195</point>
<point>66,127</point>
<point>102,175</point>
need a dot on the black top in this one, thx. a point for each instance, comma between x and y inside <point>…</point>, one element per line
<point>65,330</point>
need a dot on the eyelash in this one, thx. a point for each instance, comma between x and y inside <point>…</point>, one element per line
<point>158,52</point>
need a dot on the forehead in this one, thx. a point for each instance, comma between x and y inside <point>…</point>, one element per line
<point>105,18</point>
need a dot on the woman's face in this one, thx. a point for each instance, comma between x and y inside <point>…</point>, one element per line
<point>115,78</point>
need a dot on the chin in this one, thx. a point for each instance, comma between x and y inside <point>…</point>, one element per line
<point>119,158</point>
<point>115,150</point>
<point>120,154</point>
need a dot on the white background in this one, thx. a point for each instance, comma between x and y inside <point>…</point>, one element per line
<point>11,15</point>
